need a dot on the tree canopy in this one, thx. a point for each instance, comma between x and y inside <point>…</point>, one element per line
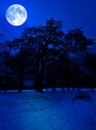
<point>48,56</point>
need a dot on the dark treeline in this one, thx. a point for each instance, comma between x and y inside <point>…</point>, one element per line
<point>49,58</point>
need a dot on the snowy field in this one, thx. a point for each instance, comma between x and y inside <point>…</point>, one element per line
<point>47,111</point>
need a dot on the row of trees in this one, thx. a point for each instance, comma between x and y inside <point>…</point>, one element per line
<point>49,57</point>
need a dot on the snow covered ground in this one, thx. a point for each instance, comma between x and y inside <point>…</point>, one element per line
<point>47,111</point>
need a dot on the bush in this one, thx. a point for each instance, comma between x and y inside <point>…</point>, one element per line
<point>82,96</point>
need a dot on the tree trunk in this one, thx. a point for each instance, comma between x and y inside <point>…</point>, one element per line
<point>39,83</point>
<point>20,84</point>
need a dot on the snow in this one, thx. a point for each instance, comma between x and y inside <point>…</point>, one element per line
<point>30,110</point>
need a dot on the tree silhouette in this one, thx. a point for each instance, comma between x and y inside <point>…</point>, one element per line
<point>44,41</point>
<point>76,40</point>
<point>5,53</point>
<point>90,64</point>
<point>43,54</point>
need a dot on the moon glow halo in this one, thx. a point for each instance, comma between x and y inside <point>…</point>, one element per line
<point>16,15</point>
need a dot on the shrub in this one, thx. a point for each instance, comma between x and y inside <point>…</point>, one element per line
<point>82,96</point>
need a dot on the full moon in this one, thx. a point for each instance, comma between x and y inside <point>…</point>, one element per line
<point>16,15</point>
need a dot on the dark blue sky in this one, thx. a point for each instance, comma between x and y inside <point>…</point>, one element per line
<point>73,13</point>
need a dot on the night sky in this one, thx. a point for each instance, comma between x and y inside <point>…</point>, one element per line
<point>73,13</point>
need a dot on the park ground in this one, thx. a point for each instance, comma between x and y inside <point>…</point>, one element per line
<point>30,110</point>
